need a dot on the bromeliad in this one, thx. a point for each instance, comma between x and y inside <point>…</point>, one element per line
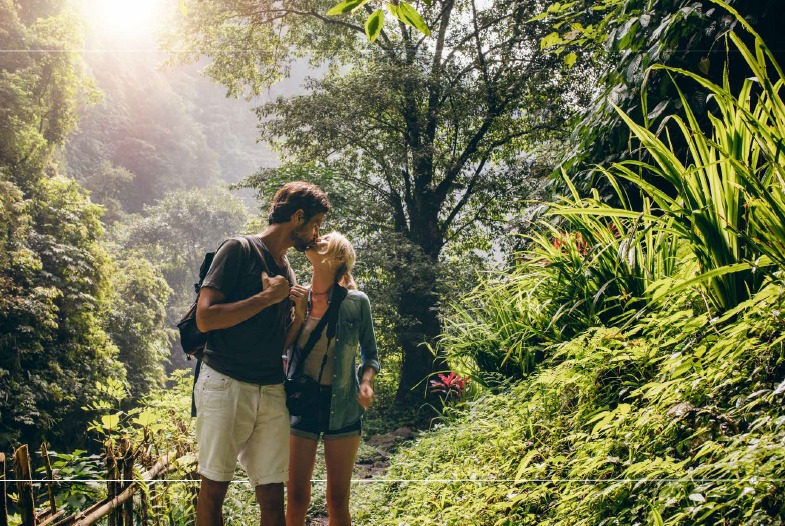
<point>450,384</point>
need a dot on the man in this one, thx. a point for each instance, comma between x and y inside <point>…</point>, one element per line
<point>245,305</point>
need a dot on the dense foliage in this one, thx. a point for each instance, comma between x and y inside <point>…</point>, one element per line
<point>627,368</point>
<point>620,40</point>
<point>54,275</point>
<point>173,235</point>
<point>649,390</point>
<point>677,420</point>
<point>74,308</point>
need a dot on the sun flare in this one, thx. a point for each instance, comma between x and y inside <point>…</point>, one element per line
<point>124,18</point>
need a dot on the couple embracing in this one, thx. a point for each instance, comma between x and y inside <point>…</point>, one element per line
<point>263,327</point>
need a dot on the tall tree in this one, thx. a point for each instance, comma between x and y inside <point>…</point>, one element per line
<point>433,132</point>
<point>137,324</point>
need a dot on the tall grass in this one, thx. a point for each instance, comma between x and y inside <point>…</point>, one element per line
<point>726,201</point>
<point>595,266</point>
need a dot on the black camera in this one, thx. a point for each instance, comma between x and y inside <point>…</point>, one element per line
<point>302,395</point>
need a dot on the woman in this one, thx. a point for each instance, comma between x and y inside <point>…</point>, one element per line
<point>343,397</point>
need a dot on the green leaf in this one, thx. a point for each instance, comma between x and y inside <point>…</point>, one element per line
<point>569,59</point>
<point>703,65</point>
<point>145,419</point>
<point>346,6</point>
<point>656,518</point>
<point>702,278</point>
<point>409,15</point>
<point>110,421</point>
<point>697,497</point>
<point>374,24</point>
<point>550,40</point>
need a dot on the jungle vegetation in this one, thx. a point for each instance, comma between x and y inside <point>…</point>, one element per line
<point>572,211</point>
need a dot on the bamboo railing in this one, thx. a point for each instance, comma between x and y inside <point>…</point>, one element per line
<point>118,506</point>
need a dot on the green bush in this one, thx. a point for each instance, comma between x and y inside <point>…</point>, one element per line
<point>678,420</point>
<point>596,268</point>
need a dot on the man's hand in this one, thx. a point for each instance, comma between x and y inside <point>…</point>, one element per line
<point>299,296</point>
<point>277,287</point>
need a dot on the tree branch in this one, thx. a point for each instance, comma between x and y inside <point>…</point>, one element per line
<point>467,195</point>
<point>470,222</point>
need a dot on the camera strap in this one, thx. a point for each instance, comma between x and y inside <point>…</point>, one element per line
<point>329,319</point>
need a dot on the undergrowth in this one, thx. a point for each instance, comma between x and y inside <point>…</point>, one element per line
<point>677,421</point>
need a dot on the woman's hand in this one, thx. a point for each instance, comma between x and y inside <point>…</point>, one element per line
<point>366,394</point>
<point>299,296</point>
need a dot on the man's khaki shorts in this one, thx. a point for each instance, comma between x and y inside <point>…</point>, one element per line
<point>241,421</point>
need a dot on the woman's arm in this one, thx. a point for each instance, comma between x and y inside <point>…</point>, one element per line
<point>366,394</point>
<point>299,296</point>
<point>369,355</point>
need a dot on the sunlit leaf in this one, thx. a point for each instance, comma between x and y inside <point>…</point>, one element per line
<point>409,15</point>
<point>145,419</point>
<point>110,421</point>
<point>550,40</point>
<point>346,6</point>
<point>374,24</point>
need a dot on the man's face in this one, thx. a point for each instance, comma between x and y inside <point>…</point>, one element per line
<point>305,236</point>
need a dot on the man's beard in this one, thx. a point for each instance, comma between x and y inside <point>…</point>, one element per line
<point>300,244</point>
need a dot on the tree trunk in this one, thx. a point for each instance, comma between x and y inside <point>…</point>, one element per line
<point>418,302</point>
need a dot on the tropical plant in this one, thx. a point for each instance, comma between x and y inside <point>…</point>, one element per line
<point>726,200</point>
<point>677,419</point>
<point>620,40</point>
<point>594,266</point>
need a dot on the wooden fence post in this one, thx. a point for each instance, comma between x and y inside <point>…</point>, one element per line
<point>193,489</point>
<point>25,486</point>
<point>127,454</point>
<point>155,501</point>
<point>50,485</point>
<point>111,480</point>
<point>3,501</point>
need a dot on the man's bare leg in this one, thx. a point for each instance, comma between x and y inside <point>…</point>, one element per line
<point>210,504</point>
<point>270,499</point>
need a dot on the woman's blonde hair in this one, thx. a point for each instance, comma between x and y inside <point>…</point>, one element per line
<point>341,249</point>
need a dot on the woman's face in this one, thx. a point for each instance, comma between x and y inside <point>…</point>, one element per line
<point>316,253</point>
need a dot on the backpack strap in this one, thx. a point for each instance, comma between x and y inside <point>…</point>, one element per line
<point>253,242</point>
<point>253,248</point>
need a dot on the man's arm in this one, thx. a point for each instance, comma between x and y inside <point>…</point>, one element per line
<point>212,313</point>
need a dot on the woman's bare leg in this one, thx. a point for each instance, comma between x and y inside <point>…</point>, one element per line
<point>339,455</point>
<point>302,453</point>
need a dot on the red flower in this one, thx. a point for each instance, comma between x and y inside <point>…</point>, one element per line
<point>450,385</point>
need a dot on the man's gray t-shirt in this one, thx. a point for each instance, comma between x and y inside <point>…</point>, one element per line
<point>249,351</point>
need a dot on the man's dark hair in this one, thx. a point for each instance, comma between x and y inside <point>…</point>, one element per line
<point>294,196</point>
